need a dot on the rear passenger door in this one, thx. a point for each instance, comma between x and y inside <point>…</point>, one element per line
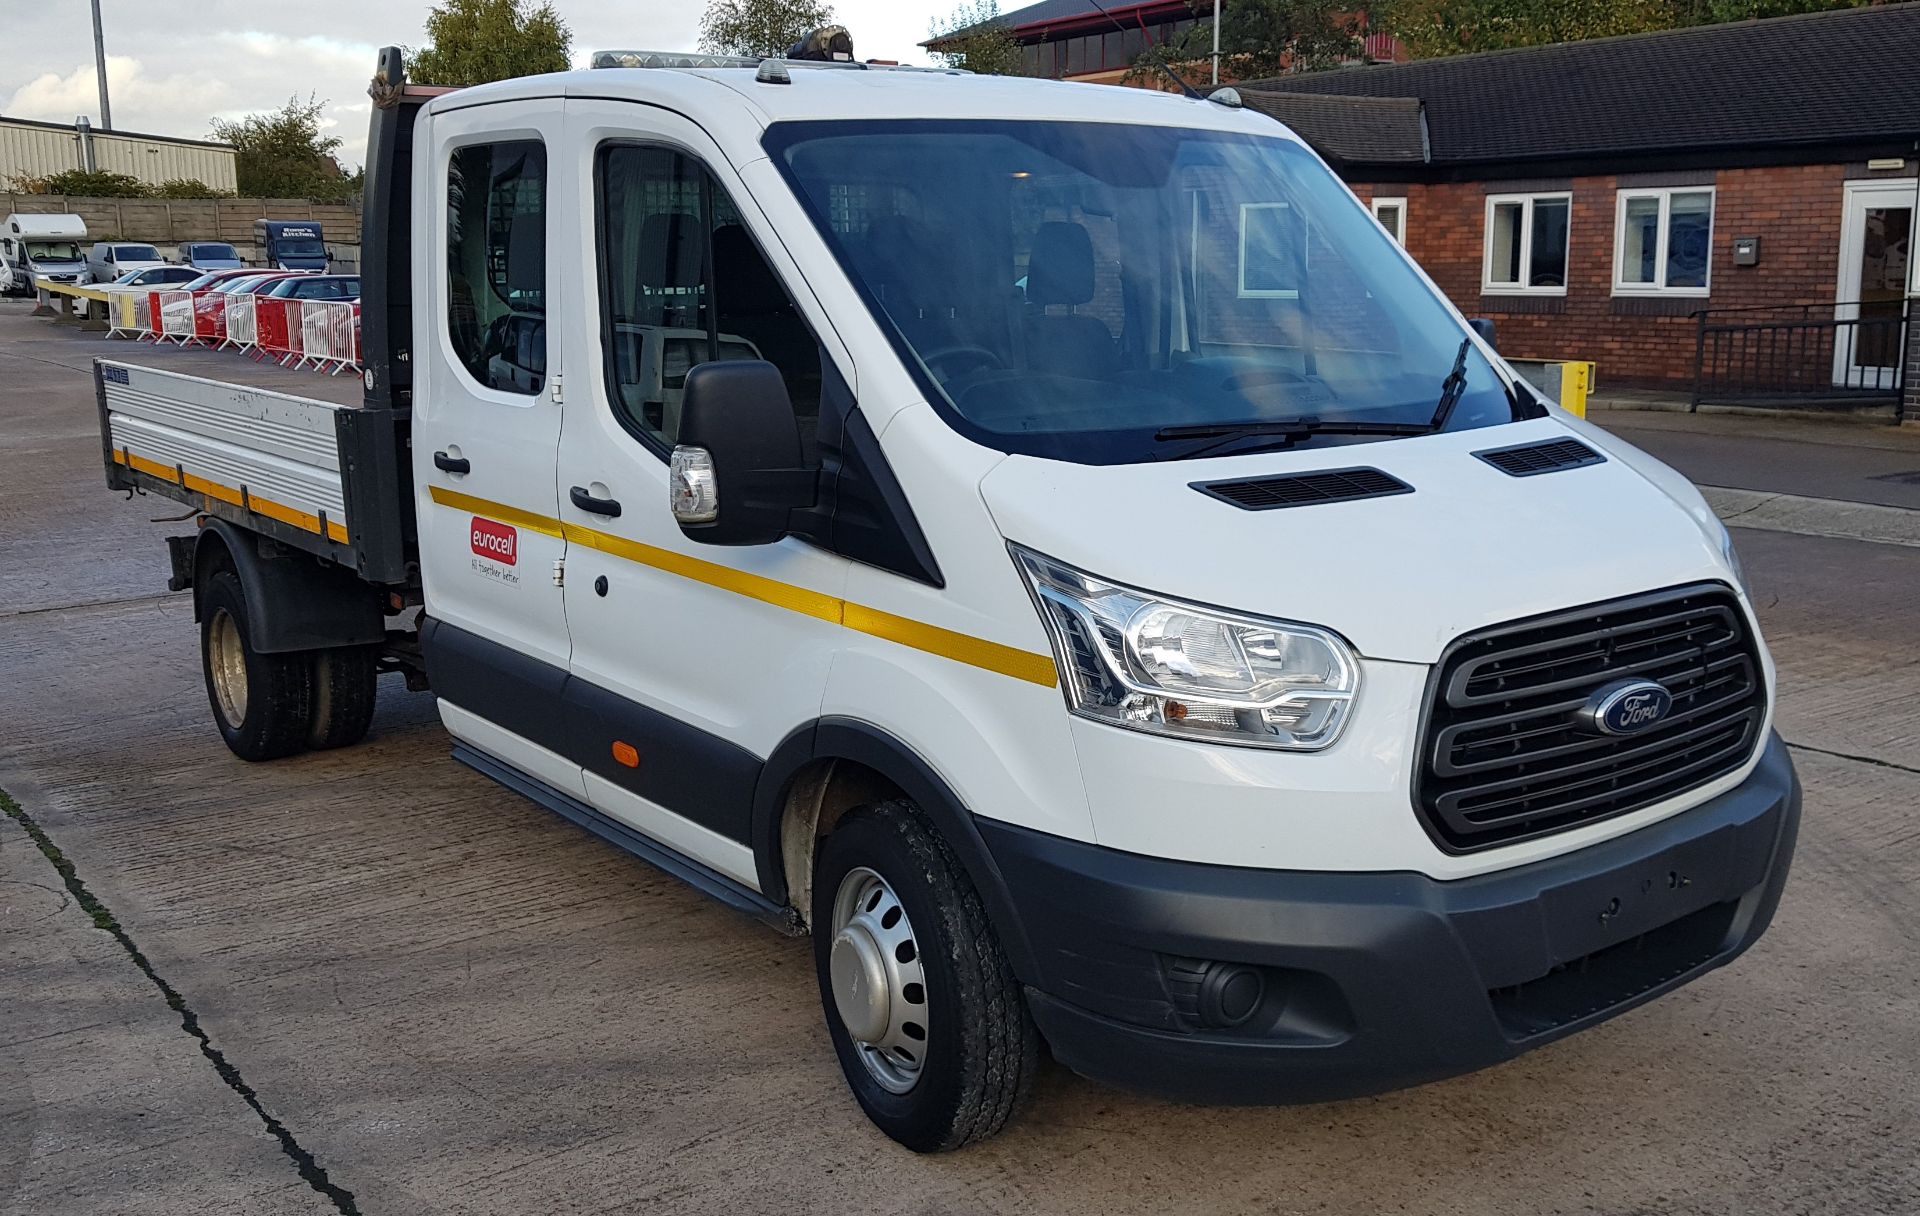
<point>691,662</point>
<point>486,429</point>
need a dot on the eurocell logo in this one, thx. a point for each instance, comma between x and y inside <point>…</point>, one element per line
<point>496,541</point>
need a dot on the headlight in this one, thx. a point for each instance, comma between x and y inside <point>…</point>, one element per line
<point>1733,557</point>
<point>1138,660</point>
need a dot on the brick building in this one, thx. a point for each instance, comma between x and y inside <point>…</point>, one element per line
<point>1594,198</point>
<point>1076,40</point>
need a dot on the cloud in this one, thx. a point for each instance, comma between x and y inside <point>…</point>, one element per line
<point>51,97</point>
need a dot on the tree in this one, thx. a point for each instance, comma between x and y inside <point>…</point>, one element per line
<point>97,184</point>
<point>188,187</point>
<point>283,155</point>
<point>1260,38</point>
<point>759,27</point>
<point>474,41</point>
<point>976,39</point>
<point>1450,27</point>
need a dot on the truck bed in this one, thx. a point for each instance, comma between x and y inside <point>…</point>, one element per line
<point>231,367</point>
<point>315,472</point>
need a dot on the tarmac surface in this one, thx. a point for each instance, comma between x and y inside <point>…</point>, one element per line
<point>372,981</point>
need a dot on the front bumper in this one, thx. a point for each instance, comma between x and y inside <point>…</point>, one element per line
<point>1377,981</point>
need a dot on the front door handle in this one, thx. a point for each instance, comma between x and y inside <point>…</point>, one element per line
<point>599,506</point>
<point>452,464</point>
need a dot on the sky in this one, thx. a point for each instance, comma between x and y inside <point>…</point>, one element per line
<point>174,66</point>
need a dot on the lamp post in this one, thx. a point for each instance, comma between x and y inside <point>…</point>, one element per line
<point>1216,44</point>
<point>100,68</point>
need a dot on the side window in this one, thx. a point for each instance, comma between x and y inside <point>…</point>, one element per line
<point>497,263</point>
<point>683,283</point>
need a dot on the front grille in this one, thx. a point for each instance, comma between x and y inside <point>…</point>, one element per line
<point>1502,757</point>
<point>1305,489</point>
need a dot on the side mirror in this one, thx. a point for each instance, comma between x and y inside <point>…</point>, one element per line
<point>1484,327</point>
<point>736,475</point>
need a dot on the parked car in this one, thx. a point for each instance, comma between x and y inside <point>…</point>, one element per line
<point>210,306</point>
<point>147,279</point>
<point>108,260</point>
<point>316,287</point>
<point>213,278</point>
<point>47,246</point>
<point>210,255</point>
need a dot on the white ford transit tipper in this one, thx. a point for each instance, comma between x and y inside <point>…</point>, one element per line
<point>1047,543</point>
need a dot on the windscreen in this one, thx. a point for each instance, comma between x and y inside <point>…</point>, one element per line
<point>53,251</point>
<point>212,252</point>
<point>135,253</point>
<point>300,247</point>
<point>1089,291</point>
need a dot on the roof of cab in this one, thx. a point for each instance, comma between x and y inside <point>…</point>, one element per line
<point>823,93</point>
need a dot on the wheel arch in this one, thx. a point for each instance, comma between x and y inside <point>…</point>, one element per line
<point>831,765</point>
<point>294,602</point>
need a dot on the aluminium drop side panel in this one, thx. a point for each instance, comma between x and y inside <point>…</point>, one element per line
<point>266,461</point>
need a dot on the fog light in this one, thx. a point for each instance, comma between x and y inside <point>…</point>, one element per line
<point>1215,995</point>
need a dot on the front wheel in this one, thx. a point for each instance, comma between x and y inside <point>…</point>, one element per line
<point>926,1016</point>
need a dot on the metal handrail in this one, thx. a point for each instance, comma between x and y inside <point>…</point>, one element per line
<point>1791,361</point>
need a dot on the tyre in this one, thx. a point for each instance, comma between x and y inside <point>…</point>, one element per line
<point>346,683</point>
<point>926,1017</point>
<point>261,702</point>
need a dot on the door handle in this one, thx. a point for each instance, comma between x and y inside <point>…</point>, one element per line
<point>599,506</point>
<point>452,464</point>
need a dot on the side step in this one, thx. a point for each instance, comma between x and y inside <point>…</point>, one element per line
<point>707,881</point>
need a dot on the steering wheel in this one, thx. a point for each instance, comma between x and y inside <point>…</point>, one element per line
<point>970,354</point>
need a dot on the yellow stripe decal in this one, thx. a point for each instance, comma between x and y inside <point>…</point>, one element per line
<point>498,511</point>
<point>336,531</point>
<point>960,647</point>
<point>726,578</point>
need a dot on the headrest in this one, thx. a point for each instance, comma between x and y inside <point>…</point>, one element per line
<point>670,250</point>
<point>1060,269</point>
<point>893,257</point>
<point>744,285</point>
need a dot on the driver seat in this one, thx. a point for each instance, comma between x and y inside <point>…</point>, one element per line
<point>1060,272</point>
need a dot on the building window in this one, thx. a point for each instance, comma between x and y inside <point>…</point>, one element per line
<point>1664,242</point>
<point>1526,250</point>
<point>1273,251</point>
<point>1392,214</point>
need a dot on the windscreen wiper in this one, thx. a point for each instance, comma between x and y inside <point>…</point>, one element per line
<point>1452,388</point>
<point>1279,434</point>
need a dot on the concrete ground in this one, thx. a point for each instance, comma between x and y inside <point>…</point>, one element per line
<point>371,981</point>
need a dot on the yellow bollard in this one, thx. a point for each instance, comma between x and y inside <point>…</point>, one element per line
<point>1576,381</point>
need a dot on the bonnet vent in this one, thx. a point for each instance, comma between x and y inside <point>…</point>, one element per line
<point>1532,459</point>
<point>1304,489</point>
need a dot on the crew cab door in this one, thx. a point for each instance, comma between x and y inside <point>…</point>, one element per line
<point>691,662</point>
<point>486,425</point>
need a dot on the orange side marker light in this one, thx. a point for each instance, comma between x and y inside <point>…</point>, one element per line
<point>626,754</point>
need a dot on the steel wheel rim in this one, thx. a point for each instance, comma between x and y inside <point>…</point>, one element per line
<point>227,661</point>
<point>879,986</point>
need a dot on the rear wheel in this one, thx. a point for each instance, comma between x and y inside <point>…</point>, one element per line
<point>926,1017</point>
<point>261,702</point>
<point>346,683</point>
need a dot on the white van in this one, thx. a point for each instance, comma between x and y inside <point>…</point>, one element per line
<point>46,246</point>
<point>1123,606</point>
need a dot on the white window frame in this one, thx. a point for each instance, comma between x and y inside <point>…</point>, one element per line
<point>1263,293</point>
<point>1399,204</point>
<point>1526,202</point>
<point>1665,194</point>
